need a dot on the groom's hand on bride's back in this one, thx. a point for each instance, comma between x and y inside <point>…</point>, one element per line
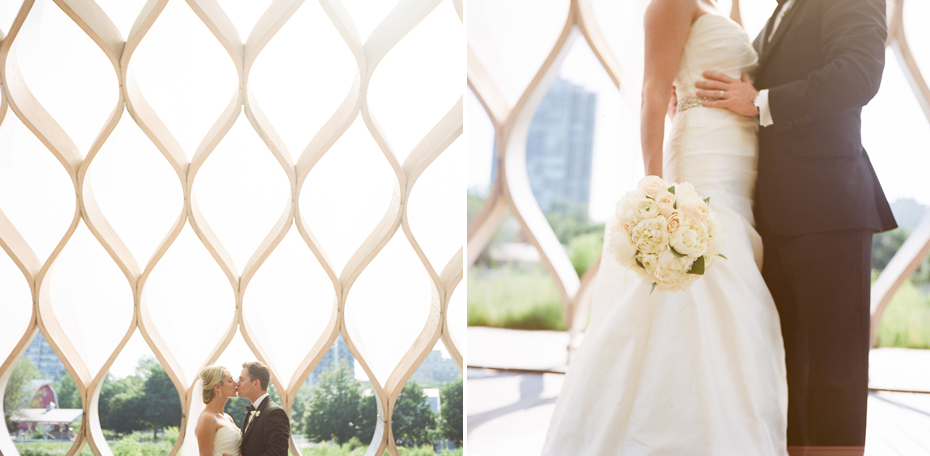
<point>737,95</point>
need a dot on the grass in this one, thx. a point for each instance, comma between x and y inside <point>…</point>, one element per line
<point>906,321</point>
<point>49,449</point>
<point>127,446</point>
<point>514,297</point>
<point>353,449</point>
<point>525,297</point>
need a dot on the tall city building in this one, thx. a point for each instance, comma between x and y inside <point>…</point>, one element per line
<point>436,369</point>
<point>560,145</point>
<point>45,360</point>
<point>339,352</point>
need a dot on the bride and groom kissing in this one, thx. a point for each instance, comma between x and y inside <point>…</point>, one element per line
<point>756,356</point>
<point>265,426</point>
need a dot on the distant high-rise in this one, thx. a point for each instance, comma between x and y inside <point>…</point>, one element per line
<point>436,369</point>
<point>339,352</point>
<point>560,145</point>
<point>45,360</point>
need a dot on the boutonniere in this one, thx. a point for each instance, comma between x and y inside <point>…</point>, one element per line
<point>256,413</point>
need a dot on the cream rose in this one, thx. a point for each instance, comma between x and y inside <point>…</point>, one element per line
<point>699,210</point>
<point>650,235</point>
<point>626,226</point>
<point>666,202</point>
<point>690,238</point>
<point>673,221</point>
<point>652,185</point>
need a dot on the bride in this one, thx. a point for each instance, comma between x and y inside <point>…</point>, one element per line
<point>216,431</point>
<point>698,372</point>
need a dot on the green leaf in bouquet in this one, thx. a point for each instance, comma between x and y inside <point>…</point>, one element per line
<point>639,263</point>
<point>698,266</point>
<point>675,252</point>
<point>671,189</point>
<point>653,288</point>
<point>707,200</point>
<point>721,256</point>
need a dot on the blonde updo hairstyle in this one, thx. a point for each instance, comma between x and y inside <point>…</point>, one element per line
<point>212,377</point>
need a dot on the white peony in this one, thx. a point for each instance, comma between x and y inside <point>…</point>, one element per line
<point>686,191</point>
<point>621,247</point>
<point>670,268</point>
<point>690,238</point>
<point>648,260</point>
<point>651,235</point>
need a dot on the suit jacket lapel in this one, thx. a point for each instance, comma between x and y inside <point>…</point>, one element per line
<point>252,420</point>
<point>780,32</point>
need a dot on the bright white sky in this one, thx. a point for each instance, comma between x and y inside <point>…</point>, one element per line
<point>895,130</point>
<point>299,79</point>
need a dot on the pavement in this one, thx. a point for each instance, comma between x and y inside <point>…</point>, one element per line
<point>514,378</point>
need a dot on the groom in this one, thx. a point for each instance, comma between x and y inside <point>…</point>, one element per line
<point>817,201</point>
<point>265,428</point>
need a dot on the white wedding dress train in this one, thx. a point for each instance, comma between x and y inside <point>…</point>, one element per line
<point>699,372</point>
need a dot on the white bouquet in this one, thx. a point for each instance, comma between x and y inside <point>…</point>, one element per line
<point>666,233</point>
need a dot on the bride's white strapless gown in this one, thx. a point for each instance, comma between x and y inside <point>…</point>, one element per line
<point>227,441</point>
<point>702,371</point>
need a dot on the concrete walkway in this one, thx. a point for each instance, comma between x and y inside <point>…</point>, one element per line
<point>514,378</point>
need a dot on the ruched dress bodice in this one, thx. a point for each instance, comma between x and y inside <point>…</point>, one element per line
<point>226,441</point>
<point>716,149</point>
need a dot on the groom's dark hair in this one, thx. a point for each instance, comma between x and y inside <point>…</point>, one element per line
<point>258,371</point>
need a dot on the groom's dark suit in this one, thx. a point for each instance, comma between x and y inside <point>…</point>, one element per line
<point>266,434</point>
<point>817,204</point>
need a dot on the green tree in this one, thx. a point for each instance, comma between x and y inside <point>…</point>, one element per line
<point>583,250</point>
<point>885,245</point>
<point>570,220</point>
<point>68,395</point>
<point>367,418</point>
<point>474,205</point>
<point>121,404</point>
<point>19,390</point>
<point>412,421</point>
<point>450,411</point>
<point>299,408</point>
<point>160,403</point>
<point>333,409</point>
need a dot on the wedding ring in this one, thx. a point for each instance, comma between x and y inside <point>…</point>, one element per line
<point>722,93</point>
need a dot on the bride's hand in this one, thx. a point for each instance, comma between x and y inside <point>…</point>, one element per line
<point>737,95</point>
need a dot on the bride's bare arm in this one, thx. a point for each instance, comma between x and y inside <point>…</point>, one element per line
<point>667,25</point>
<point>205,431</point>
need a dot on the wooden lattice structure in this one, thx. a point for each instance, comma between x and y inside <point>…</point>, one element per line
<point>441,272</point>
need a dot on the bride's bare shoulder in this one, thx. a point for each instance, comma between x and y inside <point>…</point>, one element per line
<point>206,424</point>
<point>673,12</point>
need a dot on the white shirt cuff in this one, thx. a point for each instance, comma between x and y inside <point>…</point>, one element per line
<point>762,102</point>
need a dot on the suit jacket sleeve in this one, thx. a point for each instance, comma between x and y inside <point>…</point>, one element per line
<point>277,428</point>
<point>853,34</point>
